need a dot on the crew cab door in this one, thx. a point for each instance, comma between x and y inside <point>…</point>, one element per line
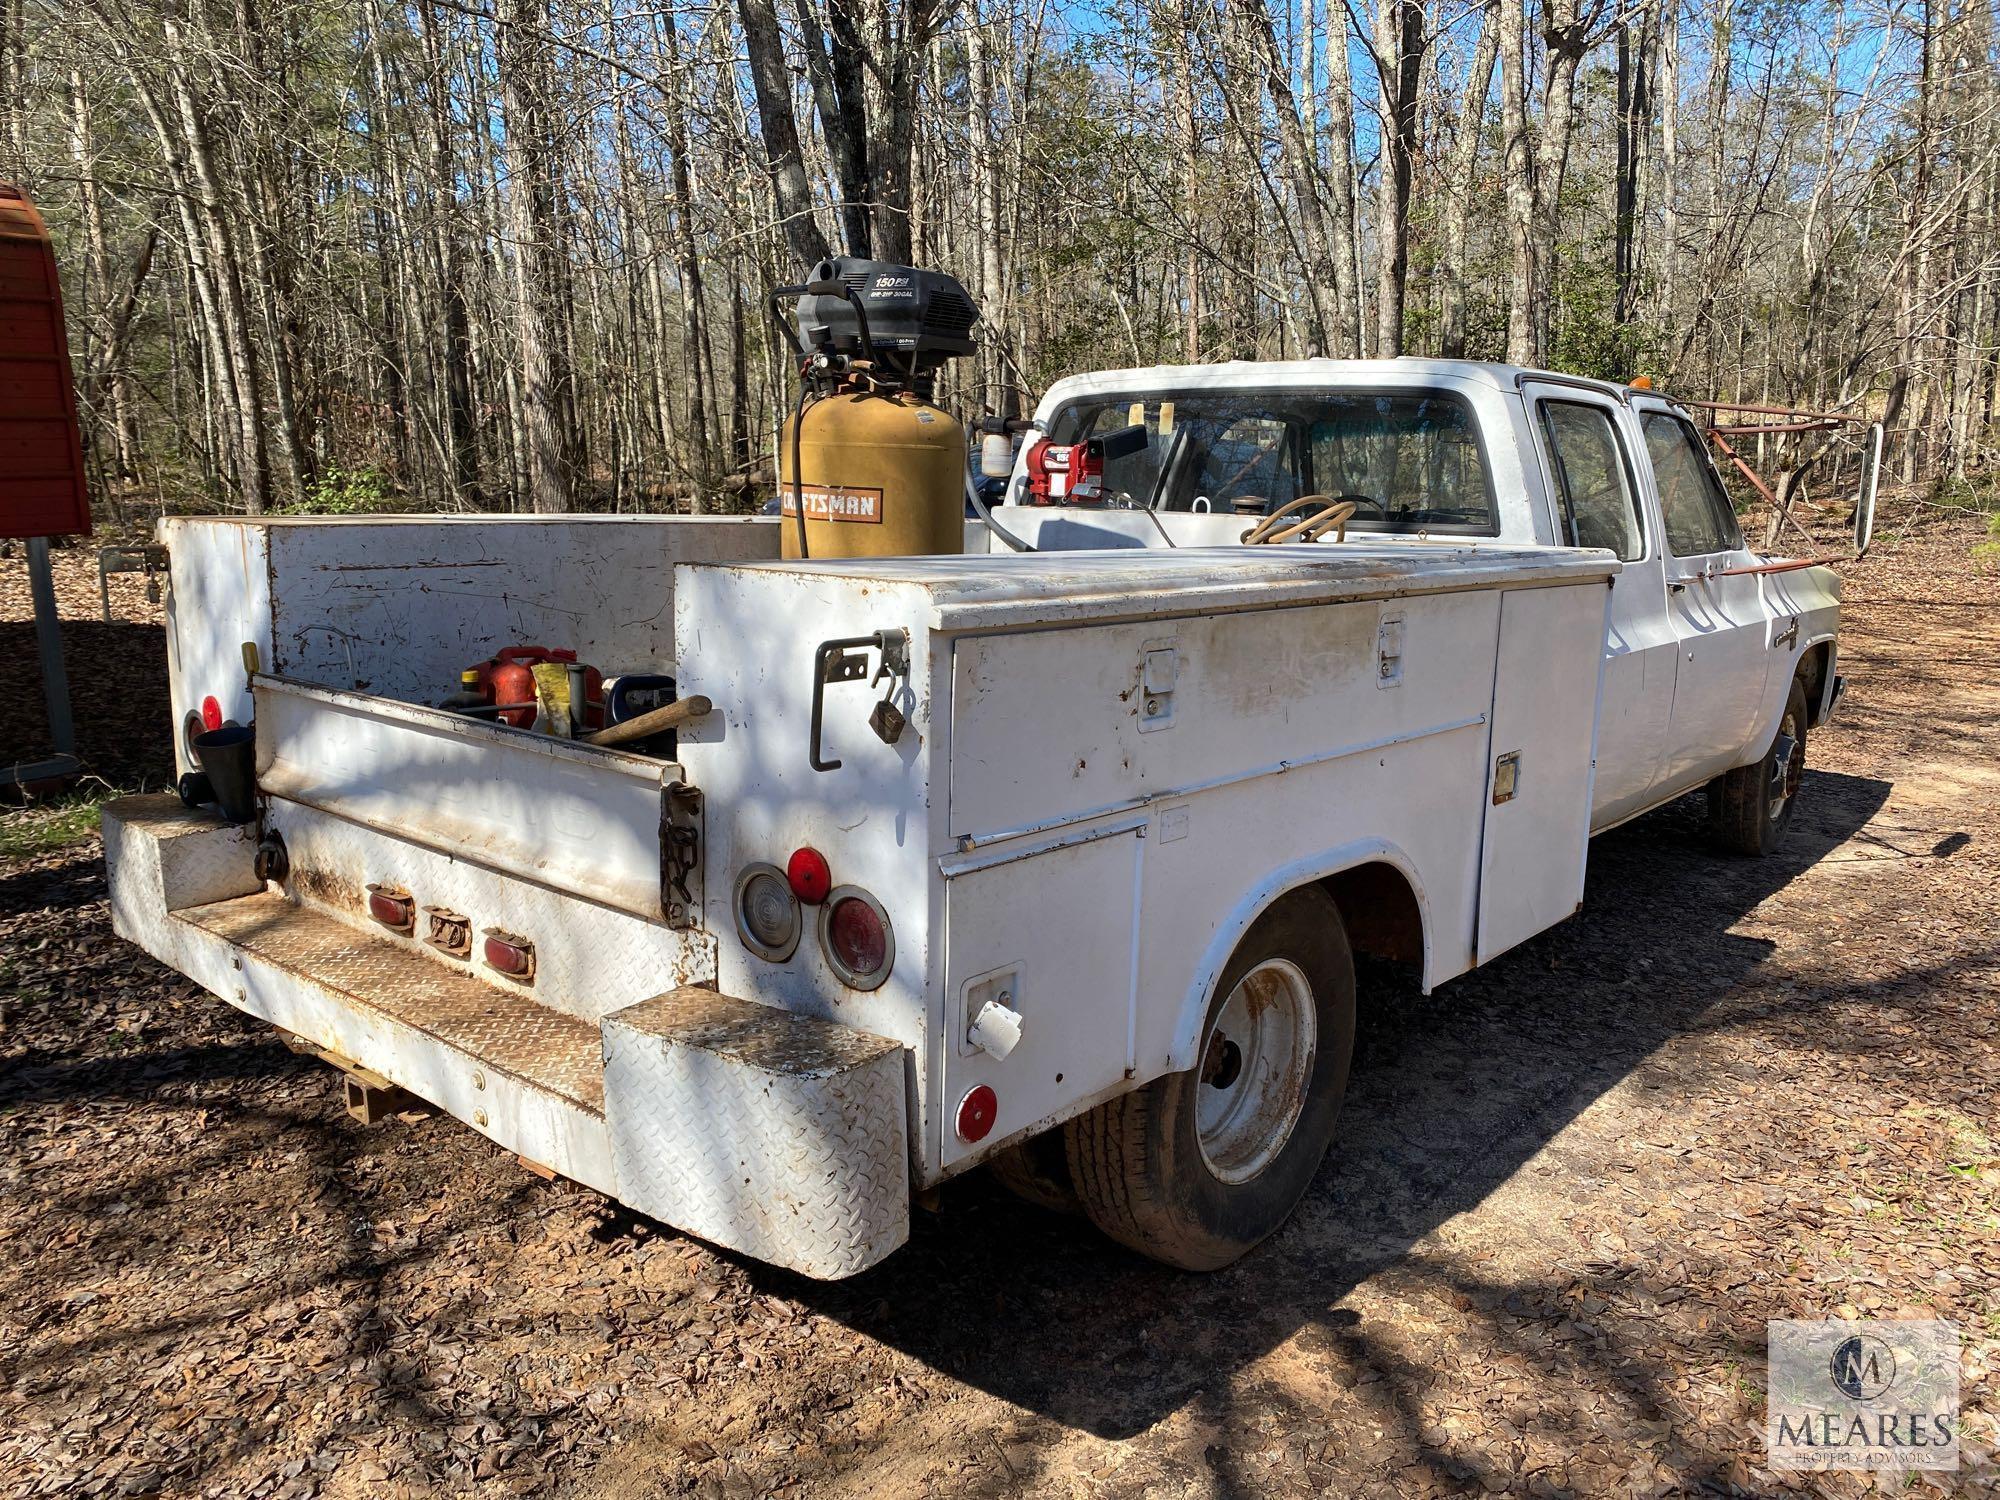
<point>1719,619</point>
<point>1593,481</point>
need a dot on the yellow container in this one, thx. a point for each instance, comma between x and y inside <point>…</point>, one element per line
<point>884,476</point>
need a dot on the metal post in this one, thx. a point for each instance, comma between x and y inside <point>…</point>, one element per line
<point>55,680</point>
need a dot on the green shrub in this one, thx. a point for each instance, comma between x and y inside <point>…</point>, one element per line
<point>1980,495</point>
<point>343,492</point>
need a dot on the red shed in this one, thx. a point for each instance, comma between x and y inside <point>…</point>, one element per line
<point>41,449</point>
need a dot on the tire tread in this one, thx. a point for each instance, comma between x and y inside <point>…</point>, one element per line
<point>1738,809</point>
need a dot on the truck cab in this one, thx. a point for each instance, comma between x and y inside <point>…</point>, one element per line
<point>1705,639</point>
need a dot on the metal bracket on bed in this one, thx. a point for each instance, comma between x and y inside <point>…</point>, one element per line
<point>680,854</point>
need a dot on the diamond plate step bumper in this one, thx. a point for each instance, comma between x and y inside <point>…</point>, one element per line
<point>776,1134</point>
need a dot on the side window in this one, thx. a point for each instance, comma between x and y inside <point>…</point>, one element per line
<point>1698,516</point>
<point>1598,505</point>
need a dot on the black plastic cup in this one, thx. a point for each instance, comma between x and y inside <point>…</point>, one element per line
<point>229,759</point>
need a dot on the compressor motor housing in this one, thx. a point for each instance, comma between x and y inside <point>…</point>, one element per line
<point>907,319</point>
<point>879,467</point>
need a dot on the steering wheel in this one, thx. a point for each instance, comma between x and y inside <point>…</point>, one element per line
<point>1333,515</point>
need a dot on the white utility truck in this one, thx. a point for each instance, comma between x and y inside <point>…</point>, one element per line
<point>1056,858</point>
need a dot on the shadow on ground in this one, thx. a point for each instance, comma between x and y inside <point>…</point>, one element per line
<point>1451,1094</point>
<point>117,699</point>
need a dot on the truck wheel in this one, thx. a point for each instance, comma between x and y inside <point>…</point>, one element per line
<point>1750,808</point>
<point>1195,1168</point>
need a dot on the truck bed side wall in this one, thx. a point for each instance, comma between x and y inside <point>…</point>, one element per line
<point>1082,820</point>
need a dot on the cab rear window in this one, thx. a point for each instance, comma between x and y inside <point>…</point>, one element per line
<point>1409,460</point>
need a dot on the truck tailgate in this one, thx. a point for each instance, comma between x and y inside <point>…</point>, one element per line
<point>570,817</point>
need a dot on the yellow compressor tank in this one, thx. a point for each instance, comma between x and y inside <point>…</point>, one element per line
<point>883,476</point>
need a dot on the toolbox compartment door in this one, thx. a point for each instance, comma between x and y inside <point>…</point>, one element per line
<point>1048,929</point>
<point>574,818</point>
<point>1541,768</point>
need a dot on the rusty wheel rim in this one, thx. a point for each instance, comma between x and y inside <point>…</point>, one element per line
<point>1256,1062</point>
<point>1795,765</point>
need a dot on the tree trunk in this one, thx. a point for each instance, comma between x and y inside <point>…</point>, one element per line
<point>1301,172</point>
<point>1342,225</point>
<point>544,444</point>
<point>783,161</point>
<point>212,223</point>
<point>1461,176</point>
<point>997,392</point>
<point>1399,62</point>
<point>1566,39</point>
<point>1634,132</point>
<point>1187,145</point>
<point>1523,282</point>
<point>838,73</point>
<point>1670,114</point>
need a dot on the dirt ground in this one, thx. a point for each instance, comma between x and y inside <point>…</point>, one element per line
<point>1569,1190</point>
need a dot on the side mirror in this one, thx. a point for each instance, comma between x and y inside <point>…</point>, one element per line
<point>1864,504</point>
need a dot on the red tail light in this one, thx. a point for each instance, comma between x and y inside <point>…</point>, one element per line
<point>211,713</point>
<point>858,940</point>
<point>809,875</point>
<point>393,907</point>
<point>510,955</point>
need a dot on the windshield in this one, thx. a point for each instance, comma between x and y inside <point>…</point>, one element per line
<point>1409,460</point>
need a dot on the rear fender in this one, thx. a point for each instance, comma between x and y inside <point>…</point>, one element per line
<point>1237,921</point>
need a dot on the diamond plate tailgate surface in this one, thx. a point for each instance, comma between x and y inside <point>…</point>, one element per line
<point>769,1132</point>
<point>539,1047</point>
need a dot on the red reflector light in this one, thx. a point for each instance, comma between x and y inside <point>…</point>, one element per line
<point>809,875</point>
<point>976,1113</point>
<point>392,907</point>
<point>211,713</point>
<point>509,955</point>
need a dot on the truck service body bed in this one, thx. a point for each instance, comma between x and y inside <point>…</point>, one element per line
<point>1109,764</point>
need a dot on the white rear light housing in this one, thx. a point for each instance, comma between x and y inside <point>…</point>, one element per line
<point>768,917</point>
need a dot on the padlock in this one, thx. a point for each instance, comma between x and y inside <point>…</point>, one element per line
<point>887,721</point>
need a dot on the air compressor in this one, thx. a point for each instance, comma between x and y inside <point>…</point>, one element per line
<point>868,464</point>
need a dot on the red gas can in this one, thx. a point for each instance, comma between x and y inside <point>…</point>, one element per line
<point>508,677</point>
